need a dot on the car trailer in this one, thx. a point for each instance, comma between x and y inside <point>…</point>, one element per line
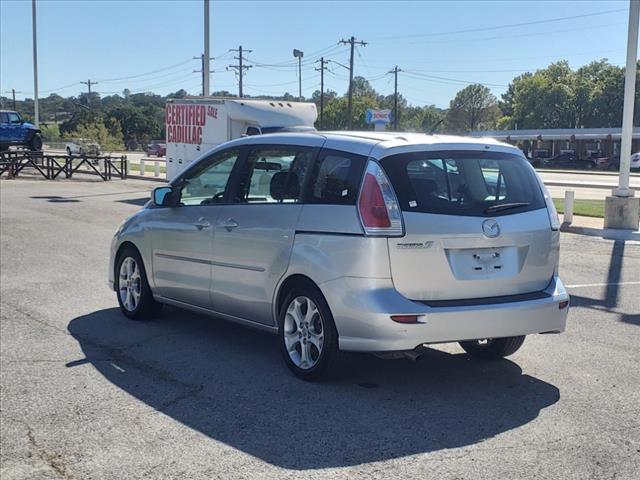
<point>50,166</point>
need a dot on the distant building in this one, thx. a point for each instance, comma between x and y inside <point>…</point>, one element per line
<point>585,142</point>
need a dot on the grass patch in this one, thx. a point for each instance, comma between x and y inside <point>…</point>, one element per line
<point>147,168</point>
<point>586,208</point>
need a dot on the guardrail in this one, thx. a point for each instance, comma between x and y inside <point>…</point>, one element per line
<point>50,166</point>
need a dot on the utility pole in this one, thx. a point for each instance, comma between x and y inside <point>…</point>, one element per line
<point>322,68</point>
<point>13,94</point>
<point>299,54</point>
<point>395,97</point>
<point>36,112</point>
<point>206,56</point>
<point>352,42</point>
<point>88,83</point>
<point>240,67</point>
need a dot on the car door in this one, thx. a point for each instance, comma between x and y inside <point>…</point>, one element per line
<point>182,235</point>
<point>4,127</point>
<point>254,234</point>
<point>15,132</point>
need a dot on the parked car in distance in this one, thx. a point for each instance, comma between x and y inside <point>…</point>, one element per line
<point>157,148</point>
<point>613,162</point>
<point>608,163</point>
<point>82,146</point>
<point>14,131</point>
<point>568,160</point>
<point>378,242</point>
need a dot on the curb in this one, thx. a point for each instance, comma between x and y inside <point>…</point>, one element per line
<point>586,172</point>
<point>606,233</point>
<point>610,186</point>
<point>147,177</point>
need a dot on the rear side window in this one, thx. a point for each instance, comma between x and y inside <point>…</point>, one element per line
<point>464,183</point>
<point>336,178</point>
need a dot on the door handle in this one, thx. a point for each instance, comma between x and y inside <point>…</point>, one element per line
<point>202,223</point>
<point>229,224</point>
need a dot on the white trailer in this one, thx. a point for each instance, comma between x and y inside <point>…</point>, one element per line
<point>196,125</point>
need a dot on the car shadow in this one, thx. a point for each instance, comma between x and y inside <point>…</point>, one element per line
<point>229,383</point>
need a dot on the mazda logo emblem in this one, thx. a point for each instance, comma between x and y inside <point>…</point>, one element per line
<point>490,228</point>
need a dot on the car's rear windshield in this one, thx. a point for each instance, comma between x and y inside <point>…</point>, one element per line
<point>484,184</point>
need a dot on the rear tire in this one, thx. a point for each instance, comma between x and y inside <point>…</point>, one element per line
<point>493,348</point>
<point>36,143</point>
<point>307,334</point>
<point>132,288</point>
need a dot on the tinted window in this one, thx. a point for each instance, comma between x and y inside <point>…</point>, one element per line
<point>207,182</point>
<point>4,117</point>
<point>274,175</point>
<point>336,178</point>
<point>464,183</point>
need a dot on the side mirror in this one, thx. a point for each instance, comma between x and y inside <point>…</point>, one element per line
<point>163,196</point>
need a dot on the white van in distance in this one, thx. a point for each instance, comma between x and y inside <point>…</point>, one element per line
<point>196,125</point>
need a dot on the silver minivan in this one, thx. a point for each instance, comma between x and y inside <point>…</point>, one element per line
<point>352,241</point>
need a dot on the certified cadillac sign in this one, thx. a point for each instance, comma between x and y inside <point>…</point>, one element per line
<point>490,228</point>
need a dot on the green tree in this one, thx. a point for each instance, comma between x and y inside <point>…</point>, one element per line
<point>97,132</point>
<point>473,108</point>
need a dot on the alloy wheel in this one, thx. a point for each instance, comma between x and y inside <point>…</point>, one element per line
<point>303,332</point>
<point>130,284</point>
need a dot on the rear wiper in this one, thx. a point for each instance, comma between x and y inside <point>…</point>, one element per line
<point>505,206</point>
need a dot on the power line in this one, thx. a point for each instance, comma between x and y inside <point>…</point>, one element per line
<point>106,80</point>
<point>485,60</point>
<point>438,79</point>
<point>516,35</point>
<point>498,27</point>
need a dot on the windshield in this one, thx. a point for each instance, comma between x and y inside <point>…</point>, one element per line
<point>464,183</point>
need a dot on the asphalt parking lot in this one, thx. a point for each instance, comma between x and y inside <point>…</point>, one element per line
<point>87,394</point>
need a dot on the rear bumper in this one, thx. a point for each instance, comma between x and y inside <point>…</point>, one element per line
<point>362,309</point>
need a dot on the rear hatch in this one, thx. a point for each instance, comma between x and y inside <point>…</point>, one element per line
<point>476,226</point>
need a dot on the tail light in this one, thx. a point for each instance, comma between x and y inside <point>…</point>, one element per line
<point>554,219</point>
<point>378,208</point>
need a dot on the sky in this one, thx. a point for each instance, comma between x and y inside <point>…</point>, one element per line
<point>440,46</point>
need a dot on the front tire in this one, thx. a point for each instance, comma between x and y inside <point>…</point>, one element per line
<point>132,288</point>
<point>493,348</point>
<point>307,334</point>
<point>36,143</point>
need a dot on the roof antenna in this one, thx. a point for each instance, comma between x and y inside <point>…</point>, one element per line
<point>435,127</point>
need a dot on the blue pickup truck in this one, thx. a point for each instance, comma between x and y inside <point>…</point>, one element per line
<point>15,131</point>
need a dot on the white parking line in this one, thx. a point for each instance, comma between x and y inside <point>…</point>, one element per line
<point>601,284</point>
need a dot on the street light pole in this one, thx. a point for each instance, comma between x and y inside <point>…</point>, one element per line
<point>36,113</point>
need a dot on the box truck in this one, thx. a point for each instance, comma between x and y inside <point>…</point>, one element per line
<point>196,125</point>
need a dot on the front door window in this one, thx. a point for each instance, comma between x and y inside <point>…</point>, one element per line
<point>208,184</point>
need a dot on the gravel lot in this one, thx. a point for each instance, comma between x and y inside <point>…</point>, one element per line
<point>87,394</point>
